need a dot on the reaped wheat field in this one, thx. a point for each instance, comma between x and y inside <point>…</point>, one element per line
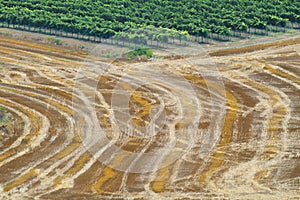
<point>253,153</point>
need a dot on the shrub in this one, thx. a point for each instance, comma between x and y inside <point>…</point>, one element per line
<point>148,53</point>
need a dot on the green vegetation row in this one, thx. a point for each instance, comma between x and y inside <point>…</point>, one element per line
<point>106,18</point>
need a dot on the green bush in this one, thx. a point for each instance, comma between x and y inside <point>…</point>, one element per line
<point>148,53</point>
<point>55,41</point>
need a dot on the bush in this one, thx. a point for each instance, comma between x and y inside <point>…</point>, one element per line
<point>140,52</point>
<point>55,41</point>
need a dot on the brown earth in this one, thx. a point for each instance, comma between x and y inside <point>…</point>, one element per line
<point>234,135</point>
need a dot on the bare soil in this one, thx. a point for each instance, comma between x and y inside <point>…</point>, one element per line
<point>233,136</point>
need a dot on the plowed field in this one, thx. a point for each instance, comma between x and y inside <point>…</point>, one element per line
<point>224,126</point>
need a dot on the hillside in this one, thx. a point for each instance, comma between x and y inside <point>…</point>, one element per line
<point>149,99</point>
<point>224,132</point>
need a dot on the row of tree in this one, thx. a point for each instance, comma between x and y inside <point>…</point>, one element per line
<point>106,18</point>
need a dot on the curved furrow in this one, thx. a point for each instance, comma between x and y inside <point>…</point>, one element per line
<point>168,128</point>
<point>159,183</point>
<point>16,129</point>
<point>38,74</point>
<point>47,89</point>
<point>133,177</point>
<point>275,120</point>
<point>75,166</point>
<point>70,112</point>
<point>60,108</point>
<point>37,124</point>
<point>31,171</point>
<point>23,55</point>
<point>42,49</point>
<point>99,184</point>
<point>240,135</point>
<point>25,101</point>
